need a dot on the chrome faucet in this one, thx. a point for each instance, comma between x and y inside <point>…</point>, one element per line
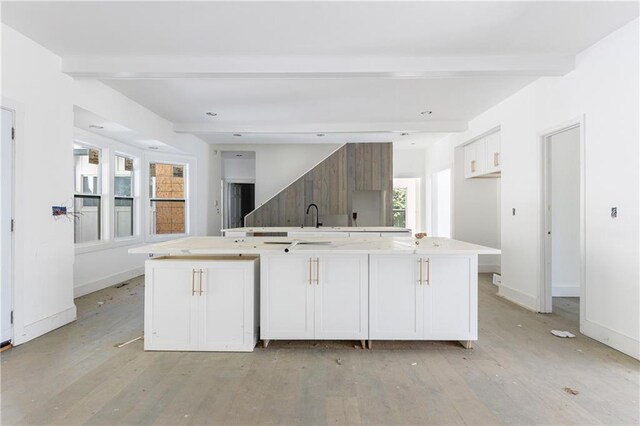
<point>318,224</point>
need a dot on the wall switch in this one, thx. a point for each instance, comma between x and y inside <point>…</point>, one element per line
<point>614,212</point>
<point>513,211</point>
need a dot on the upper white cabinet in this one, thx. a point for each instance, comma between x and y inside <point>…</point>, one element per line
<point>201,305</point>
<point>314,296</point>
<point>482,157</point>
<point>423,297</point>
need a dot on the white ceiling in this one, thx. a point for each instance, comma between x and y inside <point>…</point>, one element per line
<point>281,72</point>
<point>315,28</point>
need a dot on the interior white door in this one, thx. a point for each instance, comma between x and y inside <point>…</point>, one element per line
<point>286,297</point>
<point>341,297</point>
<point>396,298</point>
<point>171,287</point>
<point>225,306</point>
<point>235,206</point>
<point>6,234</point>
<point>449,289</point>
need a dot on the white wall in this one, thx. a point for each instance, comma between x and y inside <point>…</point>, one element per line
<point>565,213</point>
<point>44,250</point>
<point>239,168</point>
<point>475,212</point>
<point>604,90</point>
<point>411,163</point>
<point>46,276</point>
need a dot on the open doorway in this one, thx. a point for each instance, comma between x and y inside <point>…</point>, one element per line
<point>238,185</point>
<point>7,130</point>
<point>240,202</point>
<point>563,287</point>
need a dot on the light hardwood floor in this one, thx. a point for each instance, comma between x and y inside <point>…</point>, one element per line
<point>515,374</point>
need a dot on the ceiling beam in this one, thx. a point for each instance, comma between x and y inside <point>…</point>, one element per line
<point>311,128</point>
<point>314,67</point>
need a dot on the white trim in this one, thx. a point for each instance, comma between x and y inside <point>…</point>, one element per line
<point>618,341</point>
<point>99,284</point>
<point>544,302</point>
<point>45,325</point>
<point>519,298</point>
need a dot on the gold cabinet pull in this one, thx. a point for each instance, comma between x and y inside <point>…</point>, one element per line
<point>200,272</point>
<point>473,166</point>
<point>309,271</point>
<point>420,267</point>
<point>496,159</point>
<point>428,271</point>
<point>317,271</point>
<point>193,282</point>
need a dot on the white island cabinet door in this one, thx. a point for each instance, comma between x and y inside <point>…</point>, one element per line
<point>286,296</point>
<point>170,307</point>
<point>225,291</point>
<point>395,298</point>
<point>450,299</point>
<point>341,297</point>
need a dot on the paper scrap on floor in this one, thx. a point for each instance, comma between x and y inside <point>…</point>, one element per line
<point>559,333</point>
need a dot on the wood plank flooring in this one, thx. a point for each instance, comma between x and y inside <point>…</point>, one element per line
<point>515,374</point>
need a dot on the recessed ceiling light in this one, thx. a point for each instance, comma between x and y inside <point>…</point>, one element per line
<point>404,134</point>
<point>96,126</point>
<point>212,114</point>
<point>320,134</point>
<point>426,112</point>
<point>237,134</point>
<point>154,147</point>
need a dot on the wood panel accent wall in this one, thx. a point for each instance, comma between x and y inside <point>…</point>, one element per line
<point>330,185</point>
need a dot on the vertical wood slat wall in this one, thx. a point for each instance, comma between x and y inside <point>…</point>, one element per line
<point>330,184</point>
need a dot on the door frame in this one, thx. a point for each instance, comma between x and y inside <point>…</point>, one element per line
<point>225,197</point>
<point>13,109</point>
<point>545,301</point>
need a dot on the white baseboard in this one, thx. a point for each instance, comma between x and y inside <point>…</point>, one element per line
<point>618,341</point>
<point>518,297</point>
<point>84,289</point>
<point>565,291</point>
<point>489,269</point>
<point>45,325</point>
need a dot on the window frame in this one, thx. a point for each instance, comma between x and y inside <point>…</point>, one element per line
<point>414,202</point>
<point>188,169</point>
<point>135,216</point>
<point>99,196</point>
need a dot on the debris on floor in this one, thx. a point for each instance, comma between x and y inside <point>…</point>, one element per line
<point>559,333</point>
<point>520,325</point>
<point>339,361</point>
<point>100,303</point>
<point>414,363</point>
<point>356,347</point>
<point>570,391</point>
<point>122,284</point>
<point>121,345</point>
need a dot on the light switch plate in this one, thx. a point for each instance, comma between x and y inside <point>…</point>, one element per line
<point>614,212</point>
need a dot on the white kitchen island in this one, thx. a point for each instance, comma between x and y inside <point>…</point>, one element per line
<point>358,288</point>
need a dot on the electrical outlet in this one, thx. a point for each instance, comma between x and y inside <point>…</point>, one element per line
<point>614,212</point>
<point>513,211</point>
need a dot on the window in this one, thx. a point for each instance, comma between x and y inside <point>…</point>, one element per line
<point>167,198</point>
<point>405,203</point>
<point>87,200</point>
<point>400,207</point>
<point>123,197</point>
